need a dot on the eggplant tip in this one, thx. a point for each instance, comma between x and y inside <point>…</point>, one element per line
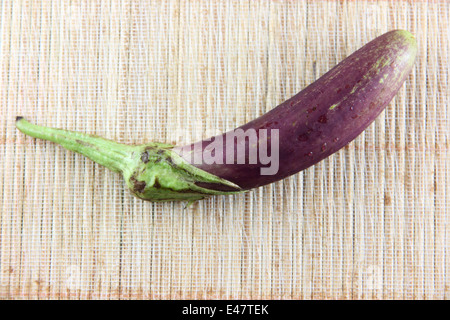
<point>407,36</point>
<point>18,118</point>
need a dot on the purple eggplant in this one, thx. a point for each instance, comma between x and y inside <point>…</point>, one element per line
<point>297,134</point>
<point>319,120</point>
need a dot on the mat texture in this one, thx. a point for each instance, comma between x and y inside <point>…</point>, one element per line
<point>370,222</point>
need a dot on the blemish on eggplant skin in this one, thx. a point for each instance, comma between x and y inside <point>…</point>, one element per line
<point>144,157</point>
<point>303,137</point>
<point>139,186</point>
<point>310,110</point>
<point>322,119</point>
<point>156,184</point>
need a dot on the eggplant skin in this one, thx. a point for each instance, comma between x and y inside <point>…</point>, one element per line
<point>326,115</point>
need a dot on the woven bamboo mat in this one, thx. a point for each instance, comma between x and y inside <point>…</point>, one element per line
<point>372,221</point>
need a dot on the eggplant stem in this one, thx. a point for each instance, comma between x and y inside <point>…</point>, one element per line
<point>105,152</point>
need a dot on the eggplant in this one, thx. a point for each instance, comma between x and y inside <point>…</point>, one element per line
<point>300,132</point>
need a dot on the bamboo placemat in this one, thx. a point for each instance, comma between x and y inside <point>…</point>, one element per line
<point>372,221</point>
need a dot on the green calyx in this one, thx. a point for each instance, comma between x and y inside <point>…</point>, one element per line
<point>152,171</point>
<point>157,173</point>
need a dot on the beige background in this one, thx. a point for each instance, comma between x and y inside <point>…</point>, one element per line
<point>371,221</point>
